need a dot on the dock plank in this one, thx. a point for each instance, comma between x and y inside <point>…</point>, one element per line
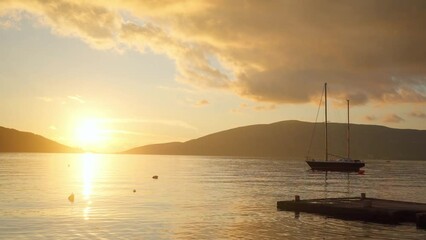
<point>358,208</point>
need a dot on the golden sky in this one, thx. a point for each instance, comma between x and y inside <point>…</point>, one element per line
<point>110,75</point>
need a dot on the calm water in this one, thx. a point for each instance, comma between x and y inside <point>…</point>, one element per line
<point>194,197</point>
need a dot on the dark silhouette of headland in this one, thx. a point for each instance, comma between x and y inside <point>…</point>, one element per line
<point>291,140</point>
<point>12,140</point>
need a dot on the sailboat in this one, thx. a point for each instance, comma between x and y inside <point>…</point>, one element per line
<point>346,164</point>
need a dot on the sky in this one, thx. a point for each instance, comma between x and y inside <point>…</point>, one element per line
<point>111,75</point>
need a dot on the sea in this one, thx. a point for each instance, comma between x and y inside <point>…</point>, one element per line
<point>194,197</point>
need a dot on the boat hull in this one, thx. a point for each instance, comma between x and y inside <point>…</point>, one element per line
<point>335,166</point>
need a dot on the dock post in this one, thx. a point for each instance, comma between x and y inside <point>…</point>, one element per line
<point>296,198</point>
<point>421,220</point>
<point>363,196</point>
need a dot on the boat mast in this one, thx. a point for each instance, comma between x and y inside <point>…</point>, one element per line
<point>349,133</point>
<point>326,143</point>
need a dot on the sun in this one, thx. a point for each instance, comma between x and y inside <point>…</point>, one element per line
<point>89,134</point>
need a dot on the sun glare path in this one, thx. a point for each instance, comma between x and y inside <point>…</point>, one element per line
<point>90,164</point>
<point>89,169</point>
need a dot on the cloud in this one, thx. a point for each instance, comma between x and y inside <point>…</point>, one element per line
<point>76,98</point>
<point>95,24</point>
<point>393,118</point>
<point>258,107</point>
<point>370,118</point>
<point>202,103</point>
<point>274,51</point>
<point>173,123</point>
<point>123,132</point>
<point>240,108</point>
<point>418,114</point>
<point>10,20</point>
<point>265,107</point>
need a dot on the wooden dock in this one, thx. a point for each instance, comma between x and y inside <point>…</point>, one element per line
<point>360,208</point>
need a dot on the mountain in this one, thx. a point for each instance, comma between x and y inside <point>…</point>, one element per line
<point>12,140</point>
<point>291,140</point>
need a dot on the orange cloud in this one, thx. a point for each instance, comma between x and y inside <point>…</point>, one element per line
<point>370,118</point>
<point>202,102</point>
<point>393,118</point>
<point>274,51</point>
<point>265,107</point>
<point>418,114</point>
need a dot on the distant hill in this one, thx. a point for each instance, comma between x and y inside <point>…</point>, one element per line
<point>291,139</point>
<point>12,140</point>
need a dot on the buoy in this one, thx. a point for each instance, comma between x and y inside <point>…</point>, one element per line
<point>155,177</point>
<point>134,190</point>
<point>71,198</point>
<point>361,172</point>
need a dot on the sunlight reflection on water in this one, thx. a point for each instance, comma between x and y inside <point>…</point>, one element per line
<point>194,197</point>
<point>91,165</point>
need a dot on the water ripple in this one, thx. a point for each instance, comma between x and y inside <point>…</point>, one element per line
<point>194,197</point>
